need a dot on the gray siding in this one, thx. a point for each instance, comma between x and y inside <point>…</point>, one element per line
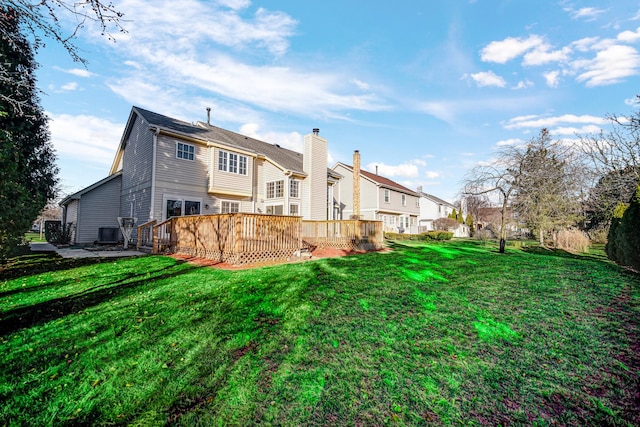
<point>97,208</point>
<point>136,171</point>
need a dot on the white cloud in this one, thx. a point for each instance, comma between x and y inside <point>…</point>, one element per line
<point>432,174</point>
<point>409,169</point>
<point>199,23</point>
<point>552,78</point>
<point>487,78</point>
<point>586,13</point>
<point>543,55</point>
<point>611,65</point>
<point>585,44</point>
<point>78,72</point>
<point>629,36</point>
<point>85,138</point>
<point>523,84</point>
<point>547,122</point>
<point>361,85</point>
<point>572,130</point>
<point>70,86</point>
<point>292,140</point>
<point>509,48</point>
<point>505,142</point>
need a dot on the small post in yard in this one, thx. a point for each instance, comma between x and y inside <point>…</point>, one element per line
<point>154,234</point>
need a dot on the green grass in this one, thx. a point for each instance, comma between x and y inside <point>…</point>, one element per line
<point>429,334</point>
<point>34,237</point>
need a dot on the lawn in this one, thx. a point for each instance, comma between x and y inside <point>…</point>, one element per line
<point>428,334</point>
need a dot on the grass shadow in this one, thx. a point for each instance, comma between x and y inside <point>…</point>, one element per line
<point>40,313</point>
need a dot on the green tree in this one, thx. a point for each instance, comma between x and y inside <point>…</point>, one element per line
<point>611,248</point>
<point>624,238</point>
<point>27,160</point>
<point>453,214</point>
<point>546,197</point>
<point>469,222</point>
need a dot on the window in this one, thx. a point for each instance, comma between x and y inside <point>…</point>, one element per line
<point>185,151</point>
<point>275,210</point>
<point>404,200</point>
<point>387,196</point>
<point>294,188</point>
<point>294,210</point>
<point>191,207</point>
<point>275,189</point>
<point>230,207</point>
<point>417,202</point>
<point>232,162</point>
<point>176,206</point>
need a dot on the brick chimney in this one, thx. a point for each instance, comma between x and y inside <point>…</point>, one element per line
<point>356,184</point>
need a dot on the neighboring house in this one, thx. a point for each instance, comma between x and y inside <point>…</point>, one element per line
<point>432,208</point>
<point>165,167</point>
<point>380,199</point>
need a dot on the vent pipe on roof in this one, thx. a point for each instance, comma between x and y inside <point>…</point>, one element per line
<point>209,115</point>
<point>356,184</point>
<point>376,170</point>
<point>316,131</point>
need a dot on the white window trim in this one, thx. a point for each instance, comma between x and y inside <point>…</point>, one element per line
<point>275,196</point>
<point>227,163</point>
<point>182,198</point>
<point>186,145</point>
<point>387,195</point>
<point>230,202</point>
<point>297,205</point>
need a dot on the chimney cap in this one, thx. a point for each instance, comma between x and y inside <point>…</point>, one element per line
<point>316,131</point>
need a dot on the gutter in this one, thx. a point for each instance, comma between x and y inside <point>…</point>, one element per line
<point>153,172</point>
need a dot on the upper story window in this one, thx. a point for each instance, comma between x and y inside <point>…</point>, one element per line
<point>404,200</point>
<point>232,162</point>
<point>417,202</point>
<point>185,151</point>
<point>294,188</point>
<point>387,196</point>
<point>275,189</point>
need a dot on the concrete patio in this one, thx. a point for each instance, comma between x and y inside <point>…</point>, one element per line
<point>44,247</point>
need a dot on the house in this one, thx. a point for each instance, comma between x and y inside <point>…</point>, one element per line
<point>432,208</point>
<point>164,167</point>
<point>378,198</point>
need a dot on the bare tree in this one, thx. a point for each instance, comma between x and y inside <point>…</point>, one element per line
<point>612,160</point>
<point>41,19</point>
<point>498,179</point>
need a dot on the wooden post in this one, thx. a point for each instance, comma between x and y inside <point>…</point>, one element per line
<point>154,233</point>
<point>356,184</point>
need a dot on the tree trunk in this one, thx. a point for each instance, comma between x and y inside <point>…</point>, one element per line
<point>541,237</point>
<point>503,231</point>
<point>503,243</point>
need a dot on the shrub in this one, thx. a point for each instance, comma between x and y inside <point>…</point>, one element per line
<point>573,240</point>
<point>446,224</point>
<point>598,235</point>
<point>611,248</point>
<point>436,235</point>
<point>627,234</point>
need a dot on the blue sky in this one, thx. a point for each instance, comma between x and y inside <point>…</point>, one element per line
<point>423,89</point>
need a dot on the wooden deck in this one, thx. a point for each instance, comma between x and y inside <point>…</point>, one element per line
<point>243,238</point>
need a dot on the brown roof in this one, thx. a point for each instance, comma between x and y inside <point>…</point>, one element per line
<point>383,182</point>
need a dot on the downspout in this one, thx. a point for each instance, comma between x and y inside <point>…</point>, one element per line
<point>153,172</point>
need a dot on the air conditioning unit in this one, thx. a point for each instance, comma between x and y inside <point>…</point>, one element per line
<point>108,235</point>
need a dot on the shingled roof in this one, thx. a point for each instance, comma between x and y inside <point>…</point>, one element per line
<point>286,158</point>
<point>382,181</point>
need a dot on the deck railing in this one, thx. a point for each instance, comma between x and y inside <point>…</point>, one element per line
<point>145,234</point>
<point>348,235</point>
<point>244,238</point>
